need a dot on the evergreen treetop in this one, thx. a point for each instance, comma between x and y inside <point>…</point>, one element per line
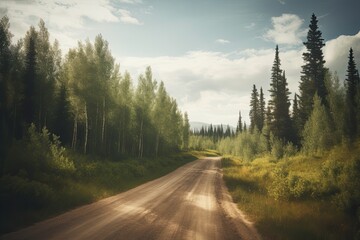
<point>313,71</point>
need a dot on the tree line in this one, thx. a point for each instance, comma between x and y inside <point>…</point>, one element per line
<point>215,132</point>
<point>324,113</point>
<point>83,98</point>
<point>321,97</point>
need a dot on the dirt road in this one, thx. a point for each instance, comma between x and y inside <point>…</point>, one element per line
<point>189,203</point>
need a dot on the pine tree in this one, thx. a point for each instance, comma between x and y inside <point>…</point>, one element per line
<point>296,117</point>
<point>254,109</point>
<point>228,131</point>
<point>46,72</point>
<point>276,74</point>
<point>5,65</point>
<point>313,72</point>
<point>281,125</point>
<point>261,110</point>
<point>30,77</point>
<point>352,83</point>
<point>62,124</point>
<point>5,42</point>
<point>239,127</point>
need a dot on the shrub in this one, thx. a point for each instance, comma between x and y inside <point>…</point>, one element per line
<point>285,185</point>
<point>298,187</point>
<point>27,193</point>
<point>38,153</point>
<point>278,188</point>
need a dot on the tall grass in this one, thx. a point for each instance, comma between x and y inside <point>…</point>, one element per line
<point>300,197</point>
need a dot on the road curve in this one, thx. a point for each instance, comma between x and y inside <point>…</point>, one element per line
<point>189,203</point>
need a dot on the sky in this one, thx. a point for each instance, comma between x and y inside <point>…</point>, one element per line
<point>209,53</point>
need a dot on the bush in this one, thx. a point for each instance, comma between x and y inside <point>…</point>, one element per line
<point>38,153</point>
<point>348,198</point>
<point>27,193</point>
<point>298,187</point>
<point>318,132</point>
<point>285,185</point>
<point>279,187</point>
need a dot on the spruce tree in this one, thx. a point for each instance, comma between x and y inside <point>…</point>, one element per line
<point>30,78</point>
<point>313,72</point>
<point>261,110</point>
<point>296,117</point>
<point>239,126</point>
<point>352,83</point>
<point>279,103</point>
<point>254,109</point>
<point>62,124</point>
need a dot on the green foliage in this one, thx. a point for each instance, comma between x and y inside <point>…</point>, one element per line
<point>317,133</point>
<point>278,189</point>
<point>281,125</point>
<point>24,192</point>
<point>41,180</point>
<point>313,72</point>
<point>285,185</point>
<point>83,98</point>
<point>285,199</point>
<point>245,145</point>
<point>279,149</point>
<point>255,111</point>
<point>37,154</point>
<point>201,143</point>
<point>337,106</point>
<point>341,177</point>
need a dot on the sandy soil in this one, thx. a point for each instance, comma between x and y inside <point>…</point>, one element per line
<point>189,203</point>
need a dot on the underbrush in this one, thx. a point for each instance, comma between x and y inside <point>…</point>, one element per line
<point>42,179</point>
<point>299,197</point>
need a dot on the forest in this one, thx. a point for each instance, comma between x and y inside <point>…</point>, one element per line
<point>74,129</point>
<point>83,98</point>
<point>301,154</point>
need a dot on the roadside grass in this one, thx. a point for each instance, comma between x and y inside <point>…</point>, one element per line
<point>27,197</point>
<point>291,198</point>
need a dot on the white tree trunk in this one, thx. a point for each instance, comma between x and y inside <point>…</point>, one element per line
<point>103,123</point>
<point>157,144</point>
<point>86,129</point>
<point>74,138</point>
<point>141,148</point>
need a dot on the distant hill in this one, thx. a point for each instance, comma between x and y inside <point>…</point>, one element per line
<point>198,125</point>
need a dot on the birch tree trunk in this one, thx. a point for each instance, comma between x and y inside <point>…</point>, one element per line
<point>141,138</point>
<point>103,124</point>
<point>157,144</point>
<point>74,138</point>
<point>86,129</point>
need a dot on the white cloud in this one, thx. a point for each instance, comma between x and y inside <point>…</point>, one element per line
<point>286,30</point>
<point>214,86</point>
<point>64,19</point>
<point>131,1</point>
<point>126,17</point>
<point>67,14</point>
<point>282,2</point>
<point>250,26</point>
<point>222,41</point>
<point>205,83</point>
<point>336,53</point>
